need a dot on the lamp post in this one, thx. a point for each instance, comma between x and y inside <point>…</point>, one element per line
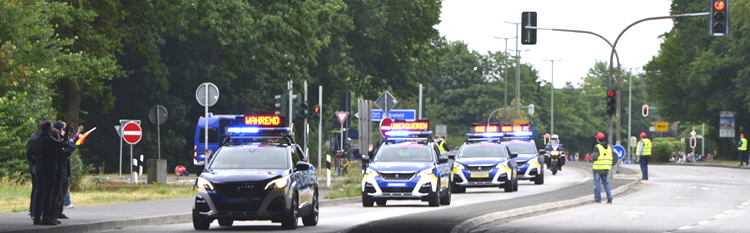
<point>552,97</point>
<point>630,109</point>
<point>518,71</point>
<point>518,78</point>
<point>505,75</point>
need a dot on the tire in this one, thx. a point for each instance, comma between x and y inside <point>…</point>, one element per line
<point>515,184</point>
<point>381,202</point>
<point>199,170</point>
<point>458,189</point>
<point>434,197</point>
<point>508,186</point>
<point>553,168</point>
<point>312,218</point>
<point>226,222</point>
<point>290,220</point>
<point>539,179</point>
<point>200,222</point>
<point>446,199</point>
<point>367,201</point>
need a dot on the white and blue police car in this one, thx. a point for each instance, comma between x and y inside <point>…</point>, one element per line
<point>407,165</point>
<point>484,161</point>
<point>530,160</point>
<point>259,173</point>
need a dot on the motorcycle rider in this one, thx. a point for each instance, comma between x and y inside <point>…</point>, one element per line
<point>554,144</point>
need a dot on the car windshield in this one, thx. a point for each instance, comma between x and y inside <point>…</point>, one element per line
<point>399,153</point>
<point>482,150</point>
<point>521,147</point>
<point>251,157</point>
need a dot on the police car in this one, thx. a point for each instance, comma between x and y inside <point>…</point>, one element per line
<point>259,173</point>
<point>530,161</point>
<point>484,161</point>
<point>407,165</point>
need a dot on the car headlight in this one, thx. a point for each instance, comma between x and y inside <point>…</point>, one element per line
<point>278,183</point>
<point>204,184</point>
<point>502,165</point>
<point>458,166</point>
<point>426,172</point>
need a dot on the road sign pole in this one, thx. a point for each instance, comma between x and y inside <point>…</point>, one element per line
<point>205,129</point>
<point>120,132</point>
<point>158,133</point>
<point>131,165</point>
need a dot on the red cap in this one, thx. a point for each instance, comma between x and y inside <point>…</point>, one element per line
<point>643,134</point>
<point>600,136</point>
<point>742,135</point>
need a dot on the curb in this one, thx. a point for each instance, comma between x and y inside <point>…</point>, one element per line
<point>471,224</point>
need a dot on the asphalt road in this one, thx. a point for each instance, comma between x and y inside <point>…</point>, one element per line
<point>466,211</point>
<point>674,199</point>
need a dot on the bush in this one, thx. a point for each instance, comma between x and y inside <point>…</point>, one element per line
<point>78,171</point>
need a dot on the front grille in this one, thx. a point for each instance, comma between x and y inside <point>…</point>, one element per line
<point>396,190</point>
<point>479,168</point>
<point>480,179</point>
<point>397,176</point>
<point>520,164</point>
<point>240,188</point>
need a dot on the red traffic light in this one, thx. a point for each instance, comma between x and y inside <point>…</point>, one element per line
<point>611,93</point>
<point>719,5</point>
<point>316,109</point>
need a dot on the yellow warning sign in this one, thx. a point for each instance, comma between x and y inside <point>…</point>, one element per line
<point>661,126</point>
<point>520,121</point>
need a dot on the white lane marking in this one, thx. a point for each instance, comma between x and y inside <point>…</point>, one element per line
<point>718,215</point>
<point>705,188</point>
<point>746,203</point>
<point>729,211</point>
<point>685,227</point>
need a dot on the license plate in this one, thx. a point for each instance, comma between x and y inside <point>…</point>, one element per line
<point>396,184</point>
<point>237,199</point>
<point>480,175</point>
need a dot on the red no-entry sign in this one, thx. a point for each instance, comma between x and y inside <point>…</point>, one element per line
<point>385,125</point>
<point>131,133</point>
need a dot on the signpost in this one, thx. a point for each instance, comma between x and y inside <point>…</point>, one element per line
<point>158,115</point>
<point>342,118</point>
<point>131,133</point>
<point>386,102</point>
<point>620,152</point>
<point>396,114</point>
<point>726,124</point>
<point>661,126</point>
<point>385,125</point>
<point>207,95</point>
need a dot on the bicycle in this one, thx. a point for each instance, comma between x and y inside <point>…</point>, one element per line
<point>341,162</point>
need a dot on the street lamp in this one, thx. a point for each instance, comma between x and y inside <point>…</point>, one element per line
<point>518,71</point>
<point>552,96</point>
<point>518,78</point>
<point>505,74</point>
<point>630,109</point>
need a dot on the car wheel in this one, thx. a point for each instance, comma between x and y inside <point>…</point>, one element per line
<point>381,202</point>
<point>226,222</point>
<point>199,170</point>
<point>367,200</point>
<point>200,222</point>
<point>515,184</point>
<point>446,199</point>
<point>508,186</point>
<point>434,197</point>
<point>539,179</point>
<point>290,220</point>
<point>312,218</point>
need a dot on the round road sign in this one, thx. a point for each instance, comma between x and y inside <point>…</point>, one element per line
<point>131,133</point>
<point>385,125</point>
<point>207,94</point>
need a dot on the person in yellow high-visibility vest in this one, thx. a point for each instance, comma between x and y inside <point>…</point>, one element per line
<point>742,149</point>
<point>644,154</point>
<point>603,162</point>
<point>440,143</point>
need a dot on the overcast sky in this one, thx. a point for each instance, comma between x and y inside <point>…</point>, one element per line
<point>477,22</point>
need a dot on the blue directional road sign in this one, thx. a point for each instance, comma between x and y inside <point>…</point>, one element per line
<point>619,151</point>
<point>395,114</point>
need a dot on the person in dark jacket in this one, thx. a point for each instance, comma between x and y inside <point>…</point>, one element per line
<point>603,162</point>
<point>46,150</point>
<point>32,171</point>
<point>63,169</point>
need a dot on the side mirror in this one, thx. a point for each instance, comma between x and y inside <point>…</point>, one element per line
<point>452,156</point>
<point>513,155</point>
<point>542,151</point>
<point>442,159</point>
<point>302,166</point>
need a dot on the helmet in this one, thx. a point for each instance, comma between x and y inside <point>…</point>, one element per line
<point>554,136</point>
<point>643,134</point>
<point>600,136</point>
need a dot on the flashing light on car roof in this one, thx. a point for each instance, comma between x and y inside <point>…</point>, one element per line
<point>263,120</point>
<point>407,134</point>
<point>410,126</point>
<point>242,130</point>
<point>486,135</point>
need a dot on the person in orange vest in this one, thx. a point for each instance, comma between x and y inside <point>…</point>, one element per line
<point>603,162</point>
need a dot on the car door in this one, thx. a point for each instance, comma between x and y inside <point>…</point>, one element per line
<point>303,178</point>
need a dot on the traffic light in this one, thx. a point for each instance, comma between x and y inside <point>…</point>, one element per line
<point>316,112</point>
<point>300,108</point>
<point>719,18</point>
<point>611,102</point>
<point>546,139</point>
<point>528,36</point>
<point>644,112</point>
<point>282,105</point>
<point>693,142</point>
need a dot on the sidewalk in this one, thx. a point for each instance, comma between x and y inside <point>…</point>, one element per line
<point>109,217</point>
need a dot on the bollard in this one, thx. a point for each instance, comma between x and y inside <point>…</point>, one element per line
<point>328,170</point>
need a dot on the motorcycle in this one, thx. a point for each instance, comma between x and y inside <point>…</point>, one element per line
<point>555,155</point>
